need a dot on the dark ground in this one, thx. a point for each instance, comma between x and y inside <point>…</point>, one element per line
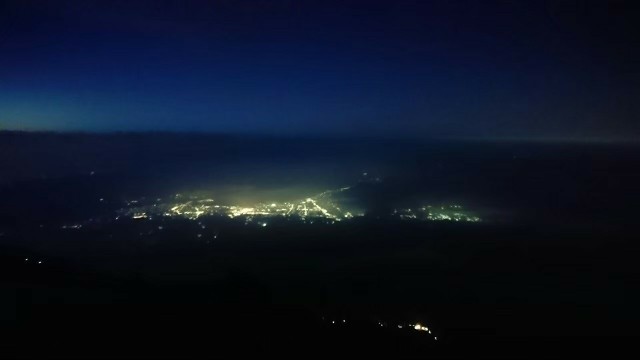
<point>502,290</point>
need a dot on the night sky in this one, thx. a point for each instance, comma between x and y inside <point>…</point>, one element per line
<point>461,69</point>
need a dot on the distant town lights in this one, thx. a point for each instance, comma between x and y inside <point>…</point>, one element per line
<point>324,206</point>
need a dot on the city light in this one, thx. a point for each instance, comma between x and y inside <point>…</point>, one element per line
<point>326,206</point>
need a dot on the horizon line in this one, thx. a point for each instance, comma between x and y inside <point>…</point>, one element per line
<point>505,139</point>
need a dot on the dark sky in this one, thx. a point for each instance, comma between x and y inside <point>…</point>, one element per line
<point>479,69</point>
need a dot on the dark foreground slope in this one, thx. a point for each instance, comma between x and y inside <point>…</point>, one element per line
<point>508,291</point>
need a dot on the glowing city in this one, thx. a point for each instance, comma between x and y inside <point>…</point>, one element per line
<point>325,207</point>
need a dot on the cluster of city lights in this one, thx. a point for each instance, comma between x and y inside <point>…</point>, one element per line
<point>325,206</point>
<point>437,213</point>
<point>322,206</point>
<point>416,327</point>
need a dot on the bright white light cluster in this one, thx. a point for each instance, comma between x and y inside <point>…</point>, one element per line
<point>324,206</point>
<point>437,213</point>
<point>321,206</point>
<point>382,324</point>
